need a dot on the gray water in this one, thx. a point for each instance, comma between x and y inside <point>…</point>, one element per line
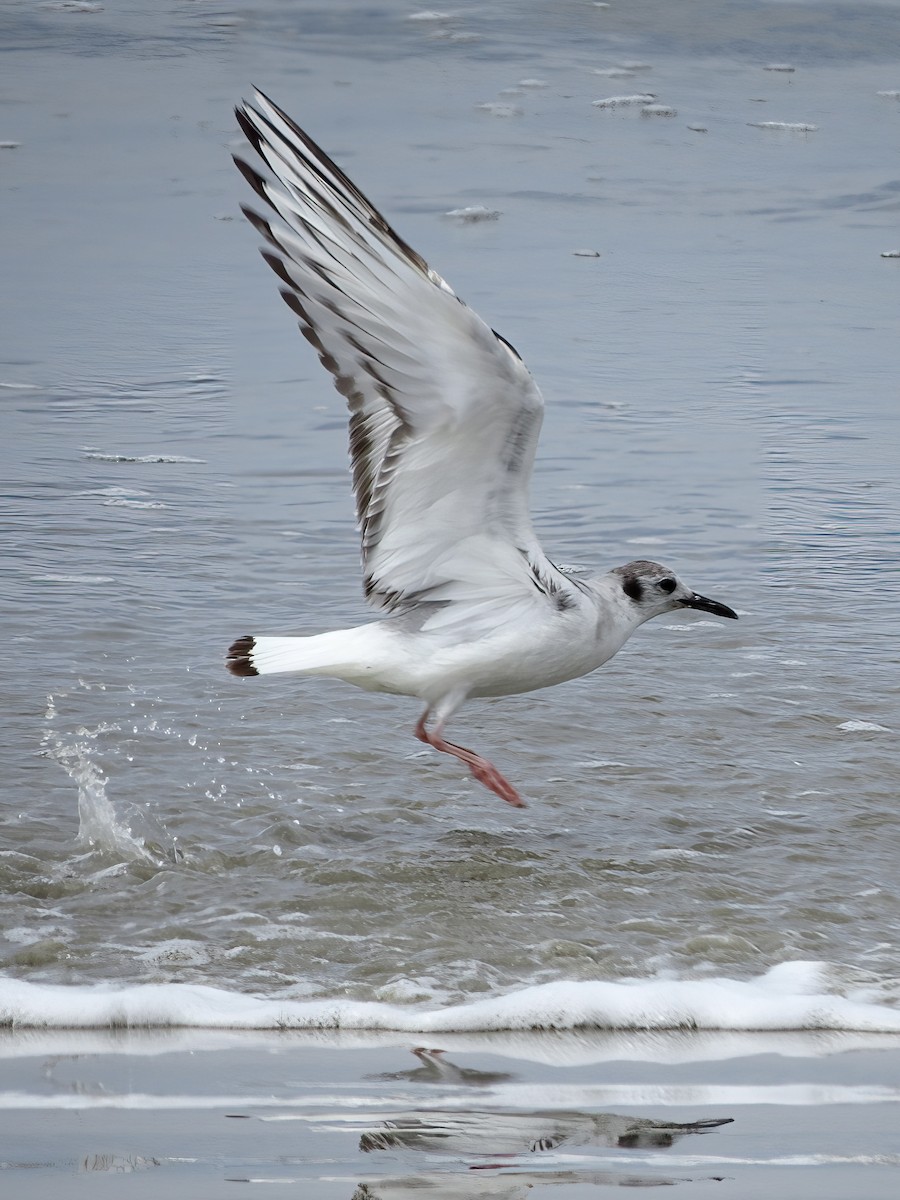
<point>721,387</point>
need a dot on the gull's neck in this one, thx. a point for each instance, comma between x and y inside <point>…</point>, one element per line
<point>617,614</point>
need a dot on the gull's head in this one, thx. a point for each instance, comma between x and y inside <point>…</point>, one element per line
<point>653,590</point>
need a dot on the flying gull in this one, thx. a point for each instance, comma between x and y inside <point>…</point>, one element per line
<point>444,424</point>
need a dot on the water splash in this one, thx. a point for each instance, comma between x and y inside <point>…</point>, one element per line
<point>99,827</point>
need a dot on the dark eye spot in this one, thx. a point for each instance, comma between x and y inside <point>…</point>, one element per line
<point>633,588</point>
<point>667,584</point>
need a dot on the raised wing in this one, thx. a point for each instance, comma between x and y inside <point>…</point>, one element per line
<point>444,416</point>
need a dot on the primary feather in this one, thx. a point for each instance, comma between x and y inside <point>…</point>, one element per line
<point>445,417</point>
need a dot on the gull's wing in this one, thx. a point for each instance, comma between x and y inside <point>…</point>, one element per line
<point>444,416</point>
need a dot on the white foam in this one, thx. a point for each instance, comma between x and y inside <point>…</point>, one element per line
<point>862,727</point>
<point>624,101</point>
<point>76,6</point>
<point>103,456</point>
<point>474,212</point>
<point>789,126</point>
<point>791,996</point>
<point>519,1095</point>
<point>121,502</point>
<point>563,1049</point>
<point>497,108</point>
<point>74,578</point>
<point>349,1109</point>
<point>175,952</point>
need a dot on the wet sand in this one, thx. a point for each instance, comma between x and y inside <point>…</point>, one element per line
<point>338,1116</point>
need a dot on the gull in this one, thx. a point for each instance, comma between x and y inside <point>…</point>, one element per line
<point>444,424</point>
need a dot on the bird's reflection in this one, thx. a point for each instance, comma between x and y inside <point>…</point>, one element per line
<point>494,1134</point>
<point>435,1068</point>
<point>491,1141</point>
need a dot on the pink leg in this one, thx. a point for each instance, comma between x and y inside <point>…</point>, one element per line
<point>482,770</point>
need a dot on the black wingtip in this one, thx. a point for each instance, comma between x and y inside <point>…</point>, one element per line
<point>238,661</point>
<point>249,130</point>
<point>252,176</point>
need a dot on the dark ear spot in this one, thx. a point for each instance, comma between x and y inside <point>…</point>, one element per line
<point>667,584</point>
<point>633,587</point>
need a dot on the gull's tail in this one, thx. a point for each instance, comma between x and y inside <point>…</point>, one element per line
<point>267,655</point>
<point>352,654</point>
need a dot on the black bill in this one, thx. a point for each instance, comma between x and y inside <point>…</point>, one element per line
<point>711,606</point>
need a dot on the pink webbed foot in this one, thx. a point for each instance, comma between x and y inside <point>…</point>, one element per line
<point>485,772</point>
<point>482,770</point>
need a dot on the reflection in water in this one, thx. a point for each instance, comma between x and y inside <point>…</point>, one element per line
<point>436,1068</point>
<point>498,1139</point>
<point>501,1187</point>
<point>116,1164</point>
<point>499,1134</point>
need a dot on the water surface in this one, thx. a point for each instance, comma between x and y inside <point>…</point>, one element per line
<point>721,385</point>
